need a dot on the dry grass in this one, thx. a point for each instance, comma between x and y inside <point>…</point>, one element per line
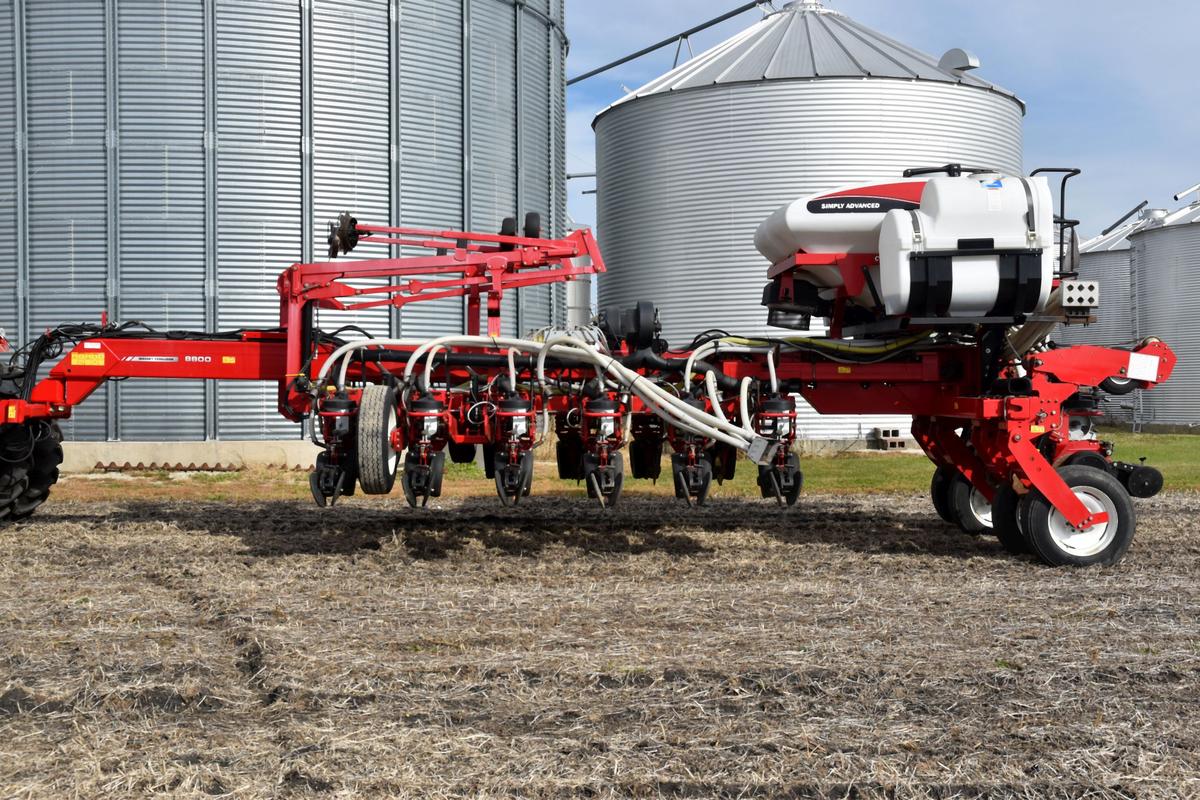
<point>848,648</point>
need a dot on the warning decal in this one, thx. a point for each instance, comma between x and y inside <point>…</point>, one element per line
<point>79,359</point>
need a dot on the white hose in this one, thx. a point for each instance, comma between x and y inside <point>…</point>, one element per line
<point>710,384</point>
<point>429,366</point>
<point>495,342</point>
<point>681,414</point>
<point>744,405</point>
<point>347,349</point>
<point>691,363</point>
<point>771,371</point>
<point>671,408</point>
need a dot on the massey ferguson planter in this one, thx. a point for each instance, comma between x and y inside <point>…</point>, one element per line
<point>939,292</point>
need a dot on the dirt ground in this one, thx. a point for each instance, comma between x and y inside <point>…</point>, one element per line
<point>848,648</point>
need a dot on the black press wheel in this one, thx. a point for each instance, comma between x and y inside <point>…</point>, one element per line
<point>939,491</point>
<point>1059,544</point>
<point>377,459</point>
<point>1006,523</point>
<point>971,510</point>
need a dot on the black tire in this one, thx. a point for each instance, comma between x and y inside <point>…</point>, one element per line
<point>1093,460</point>
<point>972,513</point>
<point>377,459</point>
<point>569,451</point>
<point>1119,387</point>
<point>1006,524</point>
<point>1050,536</point>
<point>461,453</point>
<point>489,461</point>
<point>25,482</point>
<point>939,492</point>
<point>645,459</point>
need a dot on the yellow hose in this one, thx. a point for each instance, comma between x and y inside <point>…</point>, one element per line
<point>839,346</point>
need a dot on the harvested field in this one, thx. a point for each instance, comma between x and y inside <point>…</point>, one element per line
<point>848,648</point>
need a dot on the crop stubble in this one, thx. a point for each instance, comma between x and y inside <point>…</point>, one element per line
<point>851,647</point>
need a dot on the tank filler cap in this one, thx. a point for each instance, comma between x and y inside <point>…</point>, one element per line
<point>959,60</point>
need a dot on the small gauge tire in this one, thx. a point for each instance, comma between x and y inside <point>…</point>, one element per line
<point>377,459</point>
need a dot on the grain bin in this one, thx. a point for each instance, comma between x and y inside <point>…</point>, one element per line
<point>804,100</point>
<point>1106,259</point>
<point>164,160</point>
<point>1166,289</point>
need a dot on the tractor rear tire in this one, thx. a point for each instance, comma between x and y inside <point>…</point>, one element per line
<point>25,480</point>
<point>377,459</point>
<point>1061,545</point>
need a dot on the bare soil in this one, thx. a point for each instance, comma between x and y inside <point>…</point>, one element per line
<point>847,648</point>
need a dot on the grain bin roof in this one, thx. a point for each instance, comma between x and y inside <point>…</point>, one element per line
<point>806,41</point>
<point>1151,220</point>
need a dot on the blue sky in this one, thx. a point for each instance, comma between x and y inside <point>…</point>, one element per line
<point>1110,84</point>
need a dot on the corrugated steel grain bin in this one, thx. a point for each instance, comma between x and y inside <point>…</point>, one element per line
<point>165,160</point>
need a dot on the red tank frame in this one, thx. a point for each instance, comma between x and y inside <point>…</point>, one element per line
<point>1018,439</point>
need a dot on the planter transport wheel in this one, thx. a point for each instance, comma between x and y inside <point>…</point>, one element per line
<point>1059,544</point>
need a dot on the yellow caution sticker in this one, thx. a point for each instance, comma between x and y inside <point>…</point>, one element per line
<point>228,360</point>
<point>1037,428</point>
<point>845,371</point>
<point>79,359</point>
<point>12,412</point>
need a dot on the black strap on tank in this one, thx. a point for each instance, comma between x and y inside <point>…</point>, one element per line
<point>1020,284</point>
<point>1006,294</point>
<point>931,285</point>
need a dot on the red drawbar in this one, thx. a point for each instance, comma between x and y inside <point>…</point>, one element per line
<point>906,192</point>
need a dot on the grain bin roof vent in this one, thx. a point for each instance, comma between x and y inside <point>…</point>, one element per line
<point>958,60</point>
<point>806,41</point>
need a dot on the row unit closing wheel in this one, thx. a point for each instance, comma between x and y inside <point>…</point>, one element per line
<point>1030,524</point>
<point>30,455</point>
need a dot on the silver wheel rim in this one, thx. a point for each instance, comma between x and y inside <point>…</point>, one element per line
<point>981,509</point>
<point>1094,540</point>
